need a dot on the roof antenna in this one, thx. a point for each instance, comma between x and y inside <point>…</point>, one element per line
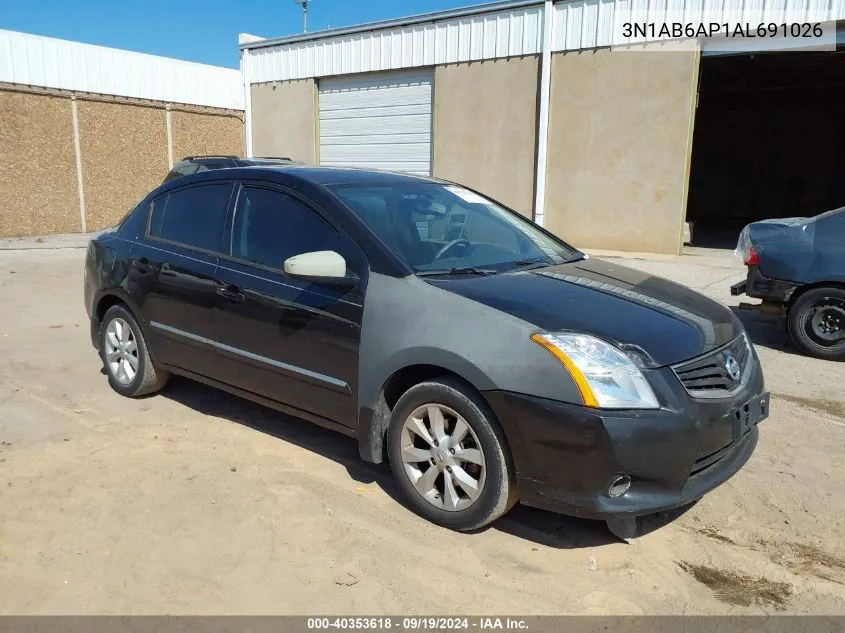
<point>304,4</point>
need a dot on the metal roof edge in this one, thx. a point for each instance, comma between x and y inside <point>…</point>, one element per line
<point>111,50</point>
<point>489,7</point>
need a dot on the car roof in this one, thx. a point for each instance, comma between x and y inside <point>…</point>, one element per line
<point>325,175</point>
<point>207,157</point>
<point>235,160</point>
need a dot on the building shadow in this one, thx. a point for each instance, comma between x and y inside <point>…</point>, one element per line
<point>537,526</point>
<point>766,330</point>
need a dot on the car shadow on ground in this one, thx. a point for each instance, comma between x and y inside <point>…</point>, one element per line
<point>564,532</point>
<point>766,330</point>
<point>331,444</point>
<point>538,526</point>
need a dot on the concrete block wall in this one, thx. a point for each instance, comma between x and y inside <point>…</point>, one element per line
<point>38,183</point>
<point>47,186</point>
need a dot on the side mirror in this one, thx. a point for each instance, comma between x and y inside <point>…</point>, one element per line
<point>325,267</point>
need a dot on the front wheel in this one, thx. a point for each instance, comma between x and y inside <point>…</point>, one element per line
<point>449,455</point>
<point>816,323</point>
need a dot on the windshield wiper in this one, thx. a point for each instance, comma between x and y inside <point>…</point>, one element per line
<point>522,263</point>
<point>464,270</point>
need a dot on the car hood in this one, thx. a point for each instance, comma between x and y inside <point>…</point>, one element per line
<point>630,308</point>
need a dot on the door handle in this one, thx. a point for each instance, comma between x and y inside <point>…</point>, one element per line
<point>142,265</point>
<point>231,293</point>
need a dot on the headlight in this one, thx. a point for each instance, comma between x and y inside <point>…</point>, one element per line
<point>605,377</point>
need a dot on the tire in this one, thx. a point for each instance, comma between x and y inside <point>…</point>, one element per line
<point>451,503</point>
<point>816,323</point>
<point>145,378</point>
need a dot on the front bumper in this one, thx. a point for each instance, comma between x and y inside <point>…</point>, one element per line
<point>566,456</point>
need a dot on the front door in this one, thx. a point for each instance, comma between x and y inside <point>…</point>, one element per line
<point>292,341</point>
<point>171,274</point>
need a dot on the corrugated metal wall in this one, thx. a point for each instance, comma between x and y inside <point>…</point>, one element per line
<point>34,60</point>
<point>486,36</point>
<point>577,24</point>
<point>595,23</point>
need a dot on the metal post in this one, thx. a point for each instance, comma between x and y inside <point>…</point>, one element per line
<point>247,102</point>
<point>543,130</point>
<point>304,4</point>
<point>77,148</point>
<point>169,126</point>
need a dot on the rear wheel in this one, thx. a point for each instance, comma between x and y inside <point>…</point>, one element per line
<point>125,356</point>
<point>449,455</point>
<point>816,322</point>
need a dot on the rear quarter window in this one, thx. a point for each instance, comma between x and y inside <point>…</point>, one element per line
<point>133,224</point>
<point>180,170</point>
<point>194,217</point>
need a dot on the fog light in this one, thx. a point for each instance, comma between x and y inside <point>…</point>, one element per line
<point>619,486</point>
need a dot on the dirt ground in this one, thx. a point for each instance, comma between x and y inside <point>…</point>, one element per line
<point>196,502</point>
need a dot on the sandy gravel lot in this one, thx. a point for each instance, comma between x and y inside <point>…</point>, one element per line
<point>196,502</point>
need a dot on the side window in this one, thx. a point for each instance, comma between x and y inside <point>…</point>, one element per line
<point>270,226</point>
<point>194,217</point>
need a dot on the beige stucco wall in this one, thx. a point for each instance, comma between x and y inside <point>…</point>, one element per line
<point>38,191</point>
<point>620,134</point>
<point>485,127</point>
<point>284,120</point>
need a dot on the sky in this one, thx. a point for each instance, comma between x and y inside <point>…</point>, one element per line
<point>204,31</point>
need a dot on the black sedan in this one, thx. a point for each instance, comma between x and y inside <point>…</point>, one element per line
<point>486,359</point>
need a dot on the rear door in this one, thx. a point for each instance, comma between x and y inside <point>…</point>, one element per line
<point>171,273</point>
<point>293,341</point>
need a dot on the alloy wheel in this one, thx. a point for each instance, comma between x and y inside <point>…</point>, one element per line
<point>121,351</point>
<point>442,457</point>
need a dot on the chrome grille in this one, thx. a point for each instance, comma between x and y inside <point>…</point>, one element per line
<point>708,376</point>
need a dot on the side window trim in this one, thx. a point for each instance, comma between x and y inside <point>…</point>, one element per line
<point>149,224</point>
<point>291,193</point>
<point>166,195</point>
<point>299,197</point>
<point>231,218</point>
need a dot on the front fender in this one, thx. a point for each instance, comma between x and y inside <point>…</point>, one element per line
<point>410,322</point>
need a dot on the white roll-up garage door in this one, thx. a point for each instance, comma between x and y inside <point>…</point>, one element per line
<point>378,121</point>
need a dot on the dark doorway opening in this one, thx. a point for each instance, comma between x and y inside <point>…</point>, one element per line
<point>769,141</point>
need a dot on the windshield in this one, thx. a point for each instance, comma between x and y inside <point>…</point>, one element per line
<point>434,227</point>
